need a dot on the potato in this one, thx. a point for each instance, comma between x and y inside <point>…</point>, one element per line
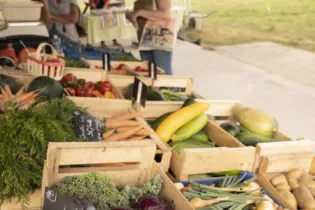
<point>289,197</point>
<point>312,190</point>
<point>293,184</point>
<point>304,198</point>
<point>283,187</point>
<point>295,174</point>
<point>279,179</point>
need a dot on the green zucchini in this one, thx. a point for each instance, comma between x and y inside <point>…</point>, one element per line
<point>231,128</point>
<point>251,139</point>
<point>188,101</point>
<point>159,120</point>
<point>200,136</point>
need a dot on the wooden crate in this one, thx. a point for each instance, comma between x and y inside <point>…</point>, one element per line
<point>106,108</point>
<point>140,155</point>
<point>22,75</point>
<point>236,155</point>
<point>131,66</point>
<point>289,157</point>
<point>14,204</point>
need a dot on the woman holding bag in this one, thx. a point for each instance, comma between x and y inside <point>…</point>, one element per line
<point>156,34</point>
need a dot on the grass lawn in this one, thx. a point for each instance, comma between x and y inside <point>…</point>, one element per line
<point>289,22</point>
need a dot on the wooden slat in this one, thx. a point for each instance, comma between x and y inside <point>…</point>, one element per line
<point>198,161</point>
<point>34,204</point>
<point>100,152</point>
<point>92,75</point>
<point>220,108</point>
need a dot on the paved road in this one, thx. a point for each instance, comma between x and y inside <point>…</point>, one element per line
<point>254,74</point>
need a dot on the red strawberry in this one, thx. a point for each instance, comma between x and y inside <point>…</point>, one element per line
<point>87,91</point>
<point>79,92</point>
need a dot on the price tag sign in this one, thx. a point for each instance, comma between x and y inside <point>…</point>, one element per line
<point>55,201</point>
<point>139,92</point>
<point>152,71</point>
<point>106,61</point>
<point>87,127</point>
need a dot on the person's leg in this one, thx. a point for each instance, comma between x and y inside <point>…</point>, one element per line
<point>163,59</point>
<point>146,56</point>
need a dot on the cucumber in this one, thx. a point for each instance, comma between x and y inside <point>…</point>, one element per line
<point>188,102</point>
<point>191,128</point>
<point>200,136</point>
<point>251,139</point>
<point>160,119</point>
<point>231,128</point>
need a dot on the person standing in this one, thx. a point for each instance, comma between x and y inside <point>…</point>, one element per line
<point>152,10</point>
<point>62,15</point>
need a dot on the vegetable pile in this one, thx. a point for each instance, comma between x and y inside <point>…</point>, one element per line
<point>232,192</point>
<point>104,195</point>
<point>184,128</point>
<point>124,127</point>
<point>75,64</point>
<point>25,133</point>
<point>81,88</point>
<point>297,187</point>
<point>254,126</point>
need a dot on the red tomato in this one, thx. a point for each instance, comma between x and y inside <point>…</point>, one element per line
<point>90,85</point>
<point>121,67</point>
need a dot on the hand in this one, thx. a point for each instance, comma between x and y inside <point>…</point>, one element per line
<point>132,17</point>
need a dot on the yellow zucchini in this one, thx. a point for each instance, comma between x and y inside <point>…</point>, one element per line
<point>179,118</point>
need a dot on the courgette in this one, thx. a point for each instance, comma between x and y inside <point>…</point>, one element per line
<point>231,128</point>
<point>188,101</point>
<point>160,119</point>
<point>251,139</point>
<point>179,118</point>
<point>191,128</point>
<point>200,136</point>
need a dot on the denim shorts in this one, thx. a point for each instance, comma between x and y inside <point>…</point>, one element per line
<point>162,59</point>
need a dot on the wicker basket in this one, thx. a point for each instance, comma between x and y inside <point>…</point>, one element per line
<point>40,64</point>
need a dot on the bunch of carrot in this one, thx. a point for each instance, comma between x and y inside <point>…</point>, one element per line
<point>124,127</point>
<point>20,100</point>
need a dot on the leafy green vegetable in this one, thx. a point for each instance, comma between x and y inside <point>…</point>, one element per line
<point>75,64</point>
<point>132,193</point>
<point>24,136</point>
<point>99,189</point>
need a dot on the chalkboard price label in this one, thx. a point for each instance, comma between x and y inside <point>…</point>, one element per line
<point>87,127</point>
<point>55,201</point>
<point>139,92</point>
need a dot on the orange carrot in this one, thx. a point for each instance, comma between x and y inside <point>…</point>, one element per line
<point>23,97</point>
<point>19,92</point>
<point>30,98</point>
<point>5,96</point>
<point>123,136</point>
<point>108,133</point>
<point>136,138</point>
<point>121,123</point>
<point>127,116</point>
<point>8,90</point>
<point>142,132</point>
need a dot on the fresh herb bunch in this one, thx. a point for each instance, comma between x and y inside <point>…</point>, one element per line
<point>97,188</point>
<point>25,135</point>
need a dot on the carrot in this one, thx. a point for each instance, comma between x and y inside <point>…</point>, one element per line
<point>108,133</point>
<point>23,97</point>
<point>8,90</point>
<point>5,96</point>
<point>142,132</point>
<point>127,116</point>
<point>124,135</point>
<point>25,106</point>
<point>19,92</point>
<point>120,123</point>
<point>136,138</point>
<point>29,99</point>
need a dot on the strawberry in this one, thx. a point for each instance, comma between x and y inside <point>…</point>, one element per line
<point>79,92</point>
<point>87,91</point>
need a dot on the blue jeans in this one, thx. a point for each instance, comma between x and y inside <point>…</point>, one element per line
<point>162,59</point>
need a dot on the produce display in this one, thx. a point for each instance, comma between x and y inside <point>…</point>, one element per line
<point>232,192</point>
<point>75,64</point>
<point>101,193</point>
<point>82,88</point>
<point>252,126</point>
<point>124,127</point>
<point>184,128</point>
<point>297,187</point>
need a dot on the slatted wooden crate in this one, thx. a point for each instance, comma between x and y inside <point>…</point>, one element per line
<point>297,154</point>
<point>106,108</point>
<point>130,67</point>
<point>198,161</point>
<point>139,155</point>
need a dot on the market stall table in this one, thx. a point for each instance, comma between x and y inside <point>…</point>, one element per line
<point>93,26</point>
